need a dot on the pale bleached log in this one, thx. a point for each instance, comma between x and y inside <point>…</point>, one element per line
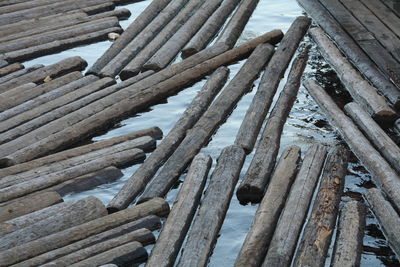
<point>10,68</point>
<point>257,240</point>
<point>349,239</point>
<point>290,222</point>
<point>216,114</point>
<point>12,77</point>
<point>253,186</point>
<point>148,169</point>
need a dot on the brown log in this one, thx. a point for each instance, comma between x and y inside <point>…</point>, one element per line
<point>10,68</point>
<point>11,7</point>
<point>208,123</point>
<point>257,240</point>
<point>15,75</point>
<point>208,221</point>
<point>253,186</point>
<point>314,244</point>
<point>6,103</point>
<point>148,169</point>
<point>290,222</point>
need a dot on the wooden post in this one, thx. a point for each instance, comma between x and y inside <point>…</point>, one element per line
<point>10,68</point>
<point>262,228</point>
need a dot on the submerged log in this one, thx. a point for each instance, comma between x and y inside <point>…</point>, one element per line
<point>10,68</point>
<point>257,240</point>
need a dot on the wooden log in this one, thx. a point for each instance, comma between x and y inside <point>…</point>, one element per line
<point>81,211</point>
<point>135,185</point>
<point>208,123</point>
<point>121,14</point>
<point>387,217</point>
<point>10,68</point>
<point>175,228</point>
<point>24,206</point>
<point>25,5</point>
<point>397,125</point>
<point>5,102</point>
<point>349,239</point>
<point>155,206</point>
<point>290,222</point>
<point>383,143</point>
<point>361,91</point>
<point>208,221</point>
<point>275,70</point>
<point>96,9</point>
<point>3,63</point>
<point>151,11</point>
<point>150,222</point>
<point>14,75</point>
<point>262,228</point>
<point>383,174</point>
<point>210,28</point>
<point>314,244</point>
<point>252,187</point>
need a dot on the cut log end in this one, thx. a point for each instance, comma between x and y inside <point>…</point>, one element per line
<point>248,193</point>
<point>187,52</point>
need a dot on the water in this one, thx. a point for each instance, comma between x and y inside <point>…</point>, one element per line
<point>306,125</point>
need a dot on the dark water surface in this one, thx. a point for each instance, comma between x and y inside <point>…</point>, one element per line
<point>306,125</point>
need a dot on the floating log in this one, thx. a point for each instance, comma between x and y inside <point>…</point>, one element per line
<point>253,186</point>
<point>216,114</point>
<point>349,239</point>
<point>175,228</point>
<point>148,169</point>
<point>156,206</point>
<point>387,217</point>
<point>314,245</point>
<point>383,174</point>
<point>27,205</point>
<point>12,7</point>
<point>208,221</point>
<point>397,125</point>
<point>275,70</point>
<point>290,222</point>
<point>210,28</point>
<point>257,240</point>
<point>96,9</point>
<point>10,68</point>
<point>6,103</point>
<point>16,74</point>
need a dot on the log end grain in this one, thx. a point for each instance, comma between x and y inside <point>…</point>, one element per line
<point>128,73</point>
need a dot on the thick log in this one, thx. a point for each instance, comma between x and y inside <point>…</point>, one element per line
<point>216,114</point>
<point>349,239</point>
<point>12,7</point>
<point>290,222</point>
<point>208,221</point>
<point>253,186</point>
<point>11,210</point>
<point>6,103</point>
<point>210,28</point>
<point>257,240</point>
<point>135,185</point>
<point>387,217</point>
<point>383,143</point>
<point>81,211</point>
<point>383,174</point>
<point>15,75</point>
<point>175,228</point>
<point>314,245</point>
<point>275,70</point>
<point>10,68</point>
<point>17,254</point>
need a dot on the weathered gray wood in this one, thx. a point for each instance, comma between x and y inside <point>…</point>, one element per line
<point>314,245</point>
<point>175,228</point>
<point>290,222</point>
<point>20,253</point>
<point>275,70</point>
<point>257,240</point>
<point>387,217</point>
<point>11,7</point>
<point>393,5</point>
<point>253,185</point>
<point>203,234</point>
<point>148,169</point>
<point>14,75</point>
<point>208,123</point>
<point>349,240</point>
<point>3,63</point>
<point>6,103</point>
<point>96,9</point>
<point>210,28</point>
<point>397,125</point>
<point>383,174</point>
<point>27,205</point>
<point>10,68</point>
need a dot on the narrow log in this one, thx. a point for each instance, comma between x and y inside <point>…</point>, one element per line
<point>387,217</point>
<point>10,68</point>
<point>383,174</point>
<point>135,185</point>
<point>81,211</point>
<point>208,221</point>
<point>349,240</point>
<point>257,240</point>
<point>6,103</point>
<point>14,75</point>
<point>275,70</point>
<point>210,28</point>
<point>121,14</point>
<point>96,9</point>
<point>253,186</point>
<point>290,222</point>
<point>208,123</point>
<point>314,245</point>
<point>9,211</point>
<point>361,91</point>
<point>20,253</point>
